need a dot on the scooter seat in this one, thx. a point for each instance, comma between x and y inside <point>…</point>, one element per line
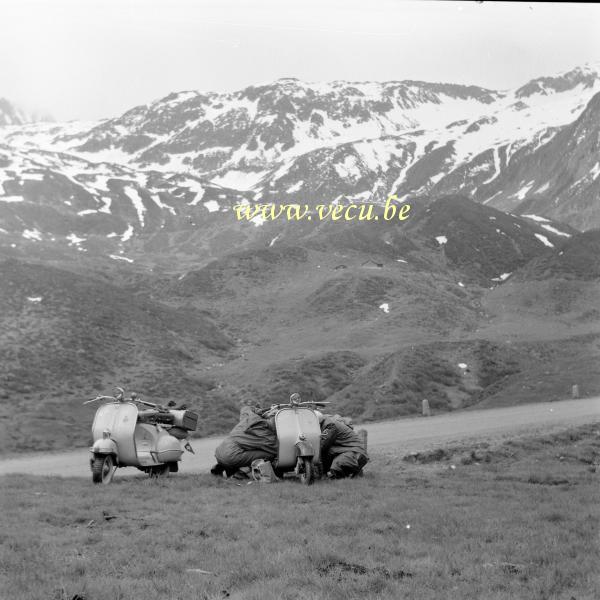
<point>154,416</point>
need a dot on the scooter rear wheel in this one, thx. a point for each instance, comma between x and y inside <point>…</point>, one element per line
<point>307,475</point>
<point>103,468</point>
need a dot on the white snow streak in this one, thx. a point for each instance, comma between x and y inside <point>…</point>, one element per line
<point>544,240</point>
<point>556,231</point>
<point>115,257</point>
<point>536,218</point>
<point>138,203</point>
<point>128,233</point>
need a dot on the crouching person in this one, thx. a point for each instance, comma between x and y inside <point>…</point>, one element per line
<point>343,452</point>
<point>253,437</point>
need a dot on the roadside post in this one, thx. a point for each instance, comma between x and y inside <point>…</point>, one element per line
<point>426,409</point>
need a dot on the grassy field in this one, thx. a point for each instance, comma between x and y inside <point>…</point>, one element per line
<point>518,520</point>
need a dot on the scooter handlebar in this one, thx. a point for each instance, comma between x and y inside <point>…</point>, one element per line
<point>150,404</point>
<point>301,404</point>
<point>100,398</point>
<point>119,398</point>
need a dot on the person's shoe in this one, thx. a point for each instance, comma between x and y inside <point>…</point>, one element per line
<point>218,470</point>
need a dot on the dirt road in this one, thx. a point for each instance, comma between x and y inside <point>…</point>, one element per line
<point>405,435</point>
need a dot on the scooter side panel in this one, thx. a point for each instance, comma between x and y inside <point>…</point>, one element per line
<point>145,441</point>
<point>168,448</point>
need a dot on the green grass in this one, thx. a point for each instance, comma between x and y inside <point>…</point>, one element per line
<point>515,521</point>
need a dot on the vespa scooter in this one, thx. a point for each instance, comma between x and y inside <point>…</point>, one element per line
<point>124,436</point>
<point>299,437</point>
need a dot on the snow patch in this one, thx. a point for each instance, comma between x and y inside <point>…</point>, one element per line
<point>536,218</point>
<point>258,220</point>
<point>240,180</point>
<point>544,240</point>
<point>116,257</point>
<point>349,168</point>
<point>74,240</point>
<point>161,204</point>
<point>32,234</point>
<point>523,191</point>
<point>128,233</point>
<point>296,187</point>
<point>106,207</point>
<point>195,187</point>
<point>137,201</point>
<point>556,231</point>
<point>212,205</point>
<point>502,277</point>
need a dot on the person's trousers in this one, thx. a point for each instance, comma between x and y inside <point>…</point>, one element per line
<point>347,464</point>
<point>232,456</point>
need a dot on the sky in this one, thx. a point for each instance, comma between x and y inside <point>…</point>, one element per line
<point>91,59</point>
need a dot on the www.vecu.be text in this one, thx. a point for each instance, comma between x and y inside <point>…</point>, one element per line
<point>322,212</point>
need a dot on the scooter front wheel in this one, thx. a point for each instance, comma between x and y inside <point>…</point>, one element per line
<point>307,474</point>
<point>103,468</point>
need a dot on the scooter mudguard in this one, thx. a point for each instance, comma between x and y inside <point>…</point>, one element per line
<point>304,448</point>
<point>104,446</point>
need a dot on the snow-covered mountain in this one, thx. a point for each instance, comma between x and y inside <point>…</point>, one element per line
<point>177,164</point>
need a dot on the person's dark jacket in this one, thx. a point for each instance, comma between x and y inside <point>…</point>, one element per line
<point>253,432</point>
<point>337,438</point>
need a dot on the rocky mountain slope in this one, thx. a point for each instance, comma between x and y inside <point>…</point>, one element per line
<point>370,316</point>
